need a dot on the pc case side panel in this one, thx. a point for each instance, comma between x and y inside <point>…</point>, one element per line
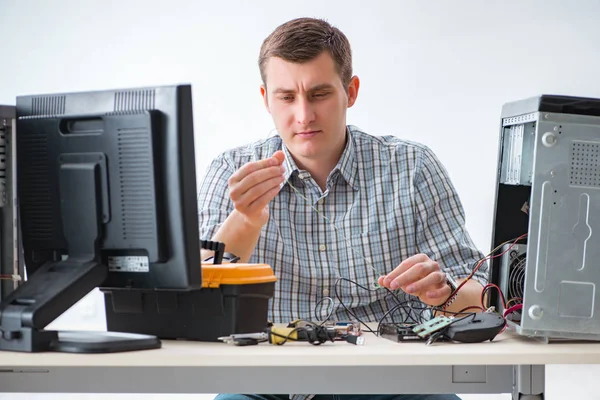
<point>563,253</point>
<point>9,266</point>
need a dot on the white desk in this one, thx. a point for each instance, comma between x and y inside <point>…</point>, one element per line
<point>379,366</point>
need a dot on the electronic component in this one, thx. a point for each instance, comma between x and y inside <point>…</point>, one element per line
<point>314,334</point>
<point>433,325</point>
<point>512,274</point>
<point>472,328</point>
<point>342,328</point>
<point>300,331</point>
<point>345,329</point>
<point>400,333</point>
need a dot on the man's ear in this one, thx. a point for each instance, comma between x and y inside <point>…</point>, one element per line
<point>353,90</point>
<point>263,93</point>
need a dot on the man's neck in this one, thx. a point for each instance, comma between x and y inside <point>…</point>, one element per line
<point>318,169</point>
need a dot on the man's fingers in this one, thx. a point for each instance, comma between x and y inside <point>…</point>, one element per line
<point>255,192</point>
<point>253,180</point>
<point>403,267</point>
<point>251,167</point>
<point>254,166</point>
<point>441,293</point>
<point>433,281</point>
<point>413,274</point>
<point>255,184</point>
<point>263,200</point>
<point>279,155</point>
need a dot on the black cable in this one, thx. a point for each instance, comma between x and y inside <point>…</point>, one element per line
<point>442,332</point>
<point>284,337</point>
<point>413,314</point>
<point>333,309</point>
<point>337,295</point>
<point>417,318</point>
<point>405,323</point>
<point>461,312</point>
<point>390,312</point>
<point>315,334</point>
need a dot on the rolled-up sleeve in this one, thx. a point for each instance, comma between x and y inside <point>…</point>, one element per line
<point>440,220</point>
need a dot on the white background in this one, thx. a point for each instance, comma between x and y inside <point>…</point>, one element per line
<point>436,72</point>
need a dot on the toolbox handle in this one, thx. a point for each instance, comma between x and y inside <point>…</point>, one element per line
<point>219,249</point>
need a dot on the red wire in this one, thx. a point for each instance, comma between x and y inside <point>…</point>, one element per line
<point>512,309</point>
<point>479,264</point>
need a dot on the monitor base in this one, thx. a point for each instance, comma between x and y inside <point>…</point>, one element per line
<point>102,342</point>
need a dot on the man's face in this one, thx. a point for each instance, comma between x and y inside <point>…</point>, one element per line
<point>308,103</point>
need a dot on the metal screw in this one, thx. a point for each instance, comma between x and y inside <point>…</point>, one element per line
<point>536,312</point>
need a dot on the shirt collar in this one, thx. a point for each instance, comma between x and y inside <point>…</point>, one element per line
<point>290,164</point>
<point>347,165</point>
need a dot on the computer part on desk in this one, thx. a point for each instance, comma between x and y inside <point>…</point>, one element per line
<point>547,194</point>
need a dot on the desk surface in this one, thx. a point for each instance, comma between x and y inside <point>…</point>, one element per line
<point>506,349</point>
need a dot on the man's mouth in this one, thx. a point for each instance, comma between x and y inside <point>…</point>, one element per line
<point>307,134</point>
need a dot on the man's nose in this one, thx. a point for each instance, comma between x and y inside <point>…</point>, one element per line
<point>304,113</point>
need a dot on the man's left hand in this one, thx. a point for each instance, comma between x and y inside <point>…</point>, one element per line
<point>420,276</point>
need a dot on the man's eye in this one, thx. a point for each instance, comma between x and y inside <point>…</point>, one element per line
<point>321,94</point>
<point>286,98</point>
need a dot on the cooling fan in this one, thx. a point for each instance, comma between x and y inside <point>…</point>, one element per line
<point>512,273</point>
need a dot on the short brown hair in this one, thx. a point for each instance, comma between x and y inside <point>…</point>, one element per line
<point>303,39</point>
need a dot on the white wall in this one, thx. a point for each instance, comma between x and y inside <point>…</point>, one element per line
<point>436,72</point>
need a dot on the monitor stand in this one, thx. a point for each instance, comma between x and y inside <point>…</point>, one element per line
<point>56,286</point>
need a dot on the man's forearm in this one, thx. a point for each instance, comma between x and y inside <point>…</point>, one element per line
<point>239,236</point>
<point>468,296</point>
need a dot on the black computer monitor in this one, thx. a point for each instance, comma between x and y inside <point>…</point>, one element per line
<point>107,198</point>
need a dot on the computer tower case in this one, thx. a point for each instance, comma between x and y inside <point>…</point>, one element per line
<point>548,194</point>
<point>11,266</point>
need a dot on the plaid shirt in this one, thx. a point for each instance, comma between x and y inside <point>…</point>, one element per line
<point>386,200</point>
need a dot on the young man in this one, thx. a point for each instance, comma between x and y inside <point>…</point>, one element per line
<point>323,200</point>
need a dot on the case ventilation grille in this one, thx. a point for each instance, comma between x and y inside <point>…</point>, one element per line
<point>585,164</point>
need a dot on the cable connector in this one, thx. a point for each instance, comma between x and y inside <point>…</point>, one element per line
<point>354,339</point>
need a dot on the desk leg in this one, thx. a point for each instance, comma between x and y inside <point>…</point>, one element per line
<point>528,382</point>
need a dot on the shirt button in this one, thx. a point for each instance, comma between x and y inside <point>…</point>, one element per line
<point>322,247</point>
<point>325,292</point>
